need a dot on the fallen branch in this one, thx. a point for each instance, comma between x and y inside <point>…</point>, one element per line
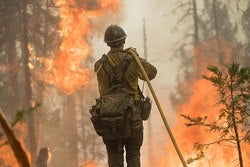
<point>15,144</point>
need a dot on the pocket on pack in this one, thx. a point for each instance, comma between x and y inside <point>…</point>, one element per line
<point>98,126</point>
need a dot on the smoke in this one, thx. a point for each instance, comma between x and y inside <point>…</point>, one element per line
<point>70,70</point>
<point>159,42</point>
<point>64,119</point>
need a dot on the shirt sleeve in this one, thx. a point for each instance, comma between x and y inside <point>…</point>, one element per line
<point>97,65</point>
<point>149,68</point>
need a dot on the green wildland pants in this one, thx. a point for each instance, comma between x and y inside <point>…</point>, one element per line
<point>115,150</point>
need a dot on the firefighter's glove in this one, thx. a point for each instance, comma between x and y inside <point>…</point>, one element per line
<point>132,51</point>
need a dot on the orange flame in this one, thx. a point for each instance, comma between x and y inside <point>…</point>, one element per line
<point>88,164</point>
<point>201,103</point>
<point>69,68</point>
<point>7,157</point>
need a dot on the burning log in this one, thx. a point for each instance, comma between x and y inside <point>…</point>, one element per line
<point>15,144</point>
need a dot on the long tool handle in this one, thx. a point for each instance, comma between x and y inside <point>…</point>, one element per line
<point>159,107</point>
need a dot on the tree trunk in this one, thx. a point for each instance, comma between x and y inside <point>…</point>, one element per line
<point>27,85</point>
<point>13,74</point>
<point>196,28</point>
<point>16,146</point>
<point>149,127</point>
<point>235,124</point>
<point>246,27</point>
<point>71,131</point>
<point>83,136</point>
<point>216,28</point>
<point>39,83</point>
<point>46,28</point>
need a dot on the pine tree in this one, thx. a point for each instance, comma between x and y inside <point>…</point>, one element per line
<point>232,126</point>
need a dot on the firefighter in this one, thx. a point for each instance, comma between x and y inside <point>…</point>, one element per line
<point>115,37</point>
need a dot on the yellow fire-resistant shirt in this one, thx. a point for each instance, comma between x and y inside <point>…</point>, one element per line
<point>133,72</point>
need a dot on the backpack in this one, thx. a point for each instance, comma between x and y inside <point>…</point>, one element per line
<point>115,116</point>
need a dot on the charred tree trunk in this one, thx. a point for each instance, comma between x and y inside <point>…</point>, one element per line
<point>39,83</point>
<point>246,26</point>
<point>150,147</point>
<point>83,136</point>
<point>46,28</point>
<point>196,28</point>
<point>27,85</point>
<point>71,131</point>
<point>16,146</point>
<point>216,28</point>
<point>13,74</point>
<point>73,138</point>
<point>9,31</point>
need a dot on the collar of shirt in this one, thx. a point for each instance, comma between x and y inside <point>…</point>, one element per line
<point>113,50</point>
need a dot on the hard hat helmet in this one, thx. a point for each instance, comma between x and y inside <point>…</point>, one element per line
<point>114,34</point>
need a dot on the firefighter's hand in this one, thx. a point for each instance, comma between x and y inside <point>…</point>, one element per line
<point>132,51</point>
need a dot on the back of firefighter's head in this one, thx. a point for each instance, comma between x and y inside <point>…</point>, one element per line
<point>114,36</point>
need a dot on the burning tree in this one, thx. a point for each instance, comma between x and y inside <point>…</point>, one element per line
<point>45,58</point>
<point>232,123</point>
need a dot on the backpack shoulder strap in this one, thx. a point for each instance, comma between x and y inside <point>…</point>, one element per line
<point>102,60</point>
<point>116,74</point>
<point>122,67</point>
<point>108,68</point>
